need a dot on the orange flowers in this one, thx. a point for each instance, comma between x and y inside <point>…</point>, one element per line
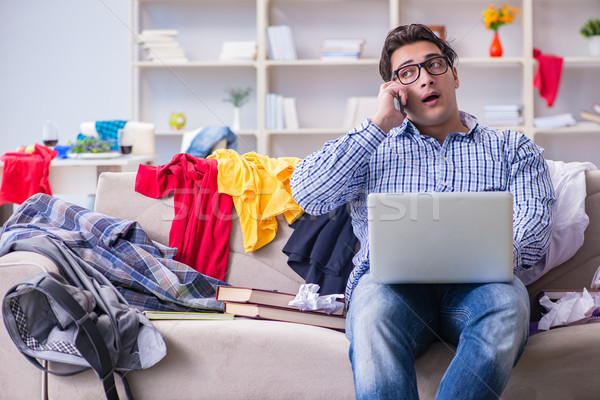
<point>493,18</point>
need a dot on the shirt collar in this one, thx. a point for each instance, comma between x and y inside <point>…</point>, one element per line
<point>407,128</point>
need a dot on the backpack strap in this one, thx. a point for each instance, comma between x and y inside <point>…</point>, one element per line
<point>98,357</point>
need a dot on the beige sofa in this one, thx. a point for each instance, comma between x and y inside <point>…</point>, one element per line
<point>253,359</point>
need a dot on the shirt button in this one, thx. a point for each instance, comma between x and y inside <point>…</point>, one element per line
<point>445,158</point>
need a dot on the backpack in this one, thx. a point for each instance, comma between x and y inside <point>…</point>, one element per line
<point>49,319</point>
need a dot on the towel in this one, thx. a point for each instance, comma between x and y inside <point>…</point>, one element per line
<point>25,174</point>
<point>547,76</point>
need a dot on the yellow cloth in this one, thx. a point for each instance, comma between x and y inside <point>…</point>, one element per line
<point>260,188</point>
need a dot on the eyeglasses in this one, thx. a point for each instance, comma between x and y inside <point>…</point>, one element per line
<point>408,74</point>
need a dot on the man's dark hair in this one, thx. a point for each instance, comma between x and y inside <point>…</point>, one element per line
<point>408,34</point>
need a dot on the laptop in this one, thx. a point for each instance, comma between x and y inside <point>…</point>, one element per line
<point>440,237</point>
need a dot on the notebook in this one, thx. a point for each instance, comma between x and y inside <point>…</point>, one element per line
<point>440,237</point>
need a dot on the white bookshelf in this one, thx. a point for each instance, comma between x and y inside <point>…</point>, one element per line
<point>322,87</point>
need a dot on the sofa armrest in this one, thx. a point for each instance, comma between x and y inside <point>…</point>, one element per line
<point>21,379</point>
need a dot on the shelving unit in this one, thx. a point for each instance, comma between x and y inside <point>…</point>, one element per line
<point>322,87</point>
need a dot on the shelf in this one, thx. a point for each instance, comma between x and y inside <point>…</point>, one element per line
<point>580,127</point>
<point>308,131</point>
<point>166,133</point>
<point>194,64</point>
<point>321,63</point>
<point>494,62</point>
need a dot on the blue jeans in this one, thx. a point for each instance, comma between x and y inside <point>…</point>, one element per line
<point>390,325</point>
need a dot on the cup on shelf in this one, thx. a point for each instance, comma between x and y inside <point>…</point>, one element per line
<point>50,133</point>
<point>125,141</point>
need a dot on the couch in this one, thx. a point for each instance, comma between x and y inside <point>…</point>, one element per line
<point>259,359</point>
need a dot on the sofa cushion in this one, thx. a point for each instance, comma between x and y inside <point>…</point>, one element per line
<point>213,360</point>
<point>540,373</point>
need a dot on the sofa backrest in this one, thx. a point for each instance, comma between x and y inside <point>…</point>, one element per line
<point>265,268</point>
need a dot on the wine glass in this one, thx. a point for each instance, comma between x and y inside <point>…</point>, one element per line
<point>50,133</point>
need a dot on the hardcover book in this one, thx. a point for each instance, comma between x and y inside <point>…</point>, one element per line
<point>238,294</point>
<point>260,311</point>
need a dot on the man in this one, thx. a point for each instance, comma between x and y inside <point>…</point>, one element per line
<point>432,146</point>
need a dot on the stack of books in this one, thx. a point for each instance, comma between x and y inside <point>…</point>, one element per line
<point>160,45</point>
<point>341,49</point>
<point>502,114</point>
<point>281,112</point>
<point>244,50</point>
<point>554,121</point>
<point>273,305</point>
<point>280,43</point>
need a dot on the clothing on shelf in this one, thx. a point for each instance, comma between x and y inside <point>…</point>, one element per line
<point>143,271</point>
<point>206,138</point>
<point>547,76</point>
<point>25,174</point>
<point>200,230</point>
<point>260,187</point>
<point>321,248</point>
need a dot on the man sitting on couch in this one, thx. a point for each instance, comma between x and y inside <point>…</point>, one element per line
<point>431,147</point>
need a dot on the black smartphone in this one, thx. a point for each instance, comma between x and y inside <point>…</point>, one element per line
<point>398,104</point>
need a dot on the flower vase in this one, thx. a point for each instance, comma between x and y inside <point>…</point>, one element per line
<point>496,46</point>
<point>594,45</point>
<point>236,125</point>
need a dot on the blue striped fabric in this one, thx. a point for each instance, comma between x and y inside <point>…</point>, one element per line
<point>143,271</point>
<point>366,160</point>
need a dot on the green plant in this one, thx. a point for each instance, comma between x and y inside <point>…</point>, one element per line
<point>90,145</point>
<point>237,96</point>
<point>590,28</point>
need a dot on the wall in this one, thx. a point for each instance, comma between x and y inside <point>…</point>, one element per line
<point>62,60</point>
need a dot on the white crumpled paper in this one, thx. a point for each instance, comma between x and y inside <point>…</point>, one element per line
<point>308,299</point>
<point>570,309</point>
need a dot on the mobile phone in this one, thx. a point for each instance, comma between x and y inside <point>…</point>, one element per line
<point>398,104</point>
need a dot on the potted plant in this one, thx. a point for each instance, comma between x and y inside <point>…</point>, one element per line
<point>238,97</point>
<point>591,31</point>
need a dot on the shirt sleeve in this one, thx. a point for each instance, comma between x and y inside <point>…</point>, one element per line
<point>534,197</point>
<point>337,173</point>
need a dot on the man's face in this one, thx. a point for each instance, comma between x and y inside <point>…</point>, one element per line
<point>431,99</point>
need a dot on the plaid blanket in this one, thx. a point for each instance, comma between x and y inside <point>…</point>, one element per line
<point>142,270</point>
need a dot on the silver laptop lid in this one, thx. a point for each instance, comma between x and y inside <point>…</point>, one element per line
<point>440,237</point>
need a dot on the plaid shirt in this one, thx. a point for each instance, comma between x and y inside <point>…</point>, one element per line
<point>366,160</point>
<point>142,270</point>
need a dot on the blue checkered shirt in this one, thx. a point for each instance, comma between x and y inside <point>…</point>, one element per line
<point>366,160</point>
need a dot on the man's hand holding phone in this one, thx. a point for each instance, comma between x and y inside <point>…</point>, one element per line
<point>390,106</point>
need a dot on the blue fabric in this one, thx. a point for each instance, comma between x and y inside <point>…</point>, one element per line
<point>321,248</point>
<point>208,137</point>
<point>390,325</point>
<point>367,160</point>
<point>109,130</point>
<point>143,271</point>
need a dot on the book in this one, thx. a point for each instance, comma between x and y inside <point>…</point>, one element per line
<point>290,113</point>
<point>357,110</point>
<point>239,294</point>
<point>238,50</point>
<point>187,315</point>
<point>260,311</point>
<point>559,294</point>
<point>554,121</point>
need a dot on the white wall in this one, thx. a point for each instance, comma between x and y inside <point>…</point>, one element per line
<point>63,60</point>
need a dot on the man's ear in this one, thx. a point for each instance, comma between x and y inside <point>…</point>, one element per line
<point>456,82</point>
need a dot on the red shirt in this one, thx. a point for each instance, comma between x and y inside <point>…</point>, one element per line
<point>200,230</point>
<point>25,174</point>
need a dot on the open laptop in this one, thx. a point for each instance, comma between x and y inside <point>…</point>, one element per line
<point>441,237</point>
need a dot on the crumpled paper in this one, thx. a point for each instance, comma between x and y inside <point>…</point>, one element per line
<point>572,308</point>
<point>596,280</point>
<point>308,299</point>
